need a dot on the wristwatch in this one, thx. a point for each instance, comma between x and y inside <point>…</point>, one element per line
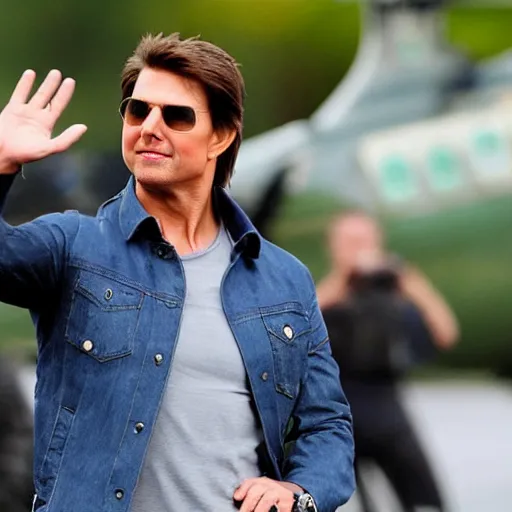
<point>304,503</point>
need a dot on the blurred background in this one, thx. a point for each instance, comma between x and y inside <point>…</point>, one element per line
<point>400,107</point>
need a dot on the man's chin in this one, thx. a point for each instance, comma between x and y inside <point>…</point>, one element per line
<point>153,178</point>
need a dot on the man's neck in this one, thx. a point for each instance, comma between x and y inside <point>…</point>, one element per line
<point>185,214</point>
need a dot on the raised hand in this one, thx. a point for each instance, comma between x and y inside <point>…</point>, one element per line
<point>26,125</point>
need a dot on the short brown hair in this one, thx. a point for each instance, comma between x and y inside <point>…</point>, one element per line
<point>209,65</point>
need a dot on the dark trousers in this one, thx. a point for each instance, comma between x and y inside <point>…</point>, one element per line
<point>385,436</point>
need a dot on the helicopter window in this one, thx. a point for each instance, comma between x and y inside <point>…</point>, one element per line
<point>444,169</point>
<point>398,182</point>
<point>490,155</point>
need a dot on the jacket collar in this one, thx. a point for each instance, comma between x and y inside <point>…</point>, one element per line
<point>247,240</point>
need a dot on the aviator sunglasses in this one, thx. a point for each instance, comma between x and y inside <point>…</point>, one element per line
<point>179,118</point>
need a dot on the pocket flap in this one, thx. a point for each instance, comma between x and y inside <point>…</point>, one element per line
<point>287,322</point>
<point>103,316</point>
<point>108,294</point>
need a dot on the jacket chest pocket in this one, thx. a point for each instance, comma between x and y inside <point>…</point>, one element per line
<point>287,326</point>
<point>103,317</point>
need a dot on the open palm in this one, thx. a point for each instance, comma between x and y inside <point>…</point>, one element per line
<point>26,125</point>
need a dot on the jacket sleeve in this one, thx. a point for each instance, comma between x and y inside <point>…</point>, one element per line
<point>320,458</point>
<point>33,255</point>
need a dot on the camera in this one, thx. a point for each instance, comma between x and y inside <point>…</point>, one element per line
<point>383,278</point>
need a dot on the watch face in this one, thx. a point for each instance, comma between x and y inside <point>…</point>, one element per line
<point>306,503</point>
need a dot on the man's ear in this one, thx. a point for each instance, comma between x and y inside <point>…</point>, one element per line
<point>222,138</point>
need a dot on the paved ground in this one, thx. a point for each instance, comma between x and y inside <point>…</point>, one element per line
<point>468,429</point>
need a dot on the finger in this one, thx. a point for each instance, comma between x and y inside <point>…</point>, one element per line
<point>241,492</point>
<point>252,498</point>
<point>23,87</point>
<point>47,89</point>
<point>267,501</point>
<point>62,98</point>
<point>67,138</point>
<point>285,504</point>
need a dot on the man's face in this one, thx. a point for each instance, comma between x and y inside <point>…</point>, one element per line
<point>356,243</point>
<point>158,156</point>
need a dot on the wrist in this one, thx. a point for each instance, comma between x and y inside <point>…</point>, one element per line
<point>296,489</point>
<point>7,166</point>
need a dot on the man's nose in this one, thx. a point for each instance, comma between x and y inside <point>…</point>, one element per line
<point>152,124</point>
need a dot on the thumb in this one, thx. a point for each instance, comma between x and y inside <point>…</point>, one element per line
<point>67,138</point>
<point>242,489</point>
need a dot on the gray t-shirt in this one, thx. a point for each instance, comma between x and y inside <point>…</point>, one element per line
<point>205,438</point>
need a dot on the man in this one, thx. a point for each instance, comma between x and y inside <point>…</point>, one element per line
<point>178,350</point>
<point>383,316</point>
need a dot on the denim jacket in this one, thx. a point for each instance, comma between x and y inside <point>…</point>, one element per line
<point>106,296</point>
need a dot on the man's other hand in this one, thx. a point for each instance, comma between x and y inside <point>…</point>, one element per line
<point>260,494</point>
<point>26,125</point>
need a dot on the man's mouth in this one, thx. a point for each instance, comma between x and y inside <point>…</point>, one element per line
<point>152,155</point>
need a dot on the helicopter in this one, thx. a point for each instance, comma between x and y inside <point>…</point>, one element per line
<point>420,136</point>
<point>405,81</point>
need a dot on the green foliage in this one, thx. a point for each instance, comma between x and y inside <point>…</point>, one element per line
<point>292,53</point>
<point>480,32</point>
<point>16,331</point>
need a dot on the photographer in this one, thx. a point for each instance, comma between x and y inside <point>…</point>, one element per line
<point>383,317</point>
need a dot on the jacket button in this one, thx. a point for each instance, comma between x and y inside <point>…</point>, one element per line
<point>87,345</point>
<point>109,294</point>
<point>163,251</point>
<point>139,427</point>
<point>119,494</point>
<point>288,332</point>
<point>159,358</point>
<point>264,376</point>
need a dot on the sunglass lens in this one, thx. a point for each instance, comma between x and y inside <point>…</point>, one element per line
<point>179,118</point>
<point>136,111</point>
